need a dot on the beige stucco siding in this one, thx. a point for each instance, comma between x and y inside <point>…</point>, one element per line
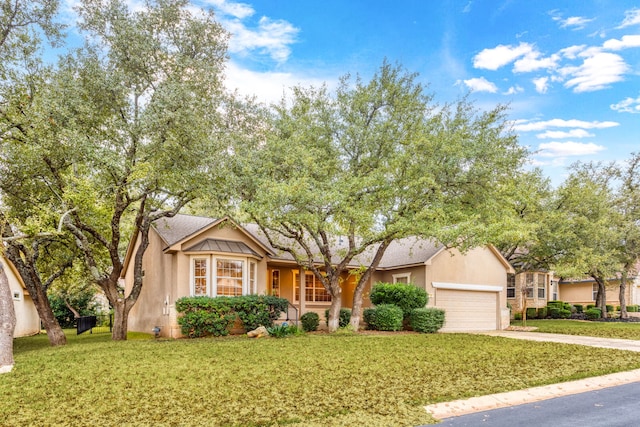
<point>27,319</point>
<point>582,293</point>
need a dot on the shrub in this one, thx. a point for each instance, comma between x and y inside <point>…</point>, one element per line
<point>403,295</point>
<point>632,308</point>
<point>426,320</point>
<point>343,318</point>
<point>609,308</point>
<point>590,306</point>
<point>258,310</point>
<point>385,317</point>
<point>205,316</point>
<point>542,313</point>
<point>593,313</point>
<point>567,306</point>
<point>517,316</point>
<point>310,321</point>
<point>564,314</point>
<point>369,316</point>
<point>557,304</point>
<point>532,313</point>
<point>579,308</point>
<point>554,312</point>
<point>202,316</point>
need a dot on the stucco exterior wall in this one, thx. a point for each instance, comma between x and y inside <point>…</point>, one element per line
<point>27,319</point>
<point>582,293</point>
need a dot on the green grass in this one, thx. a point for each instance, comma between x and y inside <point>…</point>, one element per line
<point>629,330</point>
<point>308,380</point>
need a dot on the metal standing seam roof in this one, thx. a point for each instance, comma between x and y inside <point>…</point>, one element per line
<point>225,246</point>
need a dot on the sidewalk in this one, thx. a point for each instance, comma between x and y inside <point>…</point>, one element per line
<point>535,394</point>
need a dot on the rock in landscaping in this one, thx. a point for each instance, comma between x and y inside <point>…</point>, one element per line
<point>259,332</point>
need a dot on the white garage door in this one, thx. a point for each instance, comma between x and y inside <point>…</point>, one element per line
<point>468,309</point>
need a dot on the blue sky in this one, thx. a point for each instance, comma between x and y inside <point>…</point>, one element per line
<point>568,69</point>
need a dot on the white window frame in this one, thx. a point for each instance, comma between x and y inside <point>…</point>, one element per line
<point>511,279</point>
<point>192,278</point>
<point>401,276</point>
<point>214,281</point>
<point>296,286</point>
<point>275,291</point>
<point>252,276</point>
<point>542,286</point>
<point>17,295</point>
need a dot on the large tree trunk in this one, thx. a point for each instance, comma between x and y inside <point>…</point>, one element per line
<point>120,319</point>
<point>336,305</point>
<point>7,323</point>
<point>356,308</point>
<point>623,298</point>
<point>34,285</point>
<point>601,296</point>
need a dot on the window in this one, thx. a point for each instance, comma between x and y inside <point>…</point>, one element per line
<point>253,272</point>
<point>314,290</point>
<point>17,295</point>
<point>542,286</point>
<point>402,278</point>
<point>200,277</point>
<point>594,292</point>
<point>229,277</point>
<point>528,284</point>
<point>275,283</point>
<point>511,285</point>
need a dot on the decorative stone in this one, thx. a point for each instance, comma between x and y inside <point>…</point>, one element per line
<point>259,332</point>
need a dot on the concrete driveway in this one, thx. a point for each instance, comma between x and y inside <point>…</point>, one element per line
<point>536,394</point>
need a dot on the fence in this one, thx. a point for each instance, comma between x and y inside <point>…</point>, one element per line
<point>95,324</point>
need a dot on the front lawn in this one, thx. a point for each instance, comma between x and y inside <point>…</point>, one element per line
<point>309,380</point>
<point>630,330</point>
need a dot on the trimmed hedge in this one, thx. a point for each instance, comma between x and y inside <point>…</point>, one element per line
<point>557,304</point>
<point>343,318</point>
<point>579,308</point>
<point>201,316</point>
<point>632,308</point>
<point>609,308</point>
<point>565,314</point>
<point>310,321</point>
<point>542,313</point>
<point>517,316</point>
<point>404,295</point>
<point>593,313</point>
<point>385,317</point>
<point>426,320</point>
<point>532,313</point>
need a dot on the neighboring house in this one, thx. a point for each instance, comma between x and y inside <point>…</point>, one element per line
<point>191,255</point>
<point>584,291</point>
<point>27,319</point>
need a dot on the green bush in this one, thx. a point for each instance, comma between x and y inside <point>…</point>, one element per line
<point>310,321</point>
<point>403,295</point>
<point>609,308</point>
<point>385,317</point>
<point>591,306</point>
<point>593,313</point>
<point>565,314</point>
<point>557,304</point>
<point>258,310</point>
<point>343,318</point>
<point>426,320</point>
<point>369,316</point>
<point>200,316</point>
<point>532,313</point>
<point>542,313</point>
<point>632,308</point>
<point>567,306</point>
<point>517,316</point>
<point>579,308</point>
<point>554,312</point>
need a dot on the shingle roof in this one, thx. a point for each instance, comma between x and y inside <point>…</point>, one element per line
<point>175,229</point>
<point>403,252</point>
<point>225,246</point>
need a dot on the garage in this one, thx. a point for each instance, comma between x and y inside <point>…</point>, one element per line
<point>468,307</point>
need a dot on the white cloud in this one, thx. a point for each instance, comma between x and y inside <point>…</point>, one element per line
<point>627,105</point>
<point>513,90</point>
<point>572,52</point>
<point>626,42</point>
<point>574,22</point>
<point>481,85</point>
<point>570,148</point>
<point>272,37</point>
<point>541,84</point>
<point>558,134</point>
<point>632,17</point>
<point>492,59</point>
<point>269,87</point>
<point>532,62</point>
<point>598,71</point>
<point>528,126</point>
<point>237,10</point>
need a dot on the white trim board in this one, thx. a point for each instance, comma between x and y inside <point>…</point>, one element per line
<point>467,287</point>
